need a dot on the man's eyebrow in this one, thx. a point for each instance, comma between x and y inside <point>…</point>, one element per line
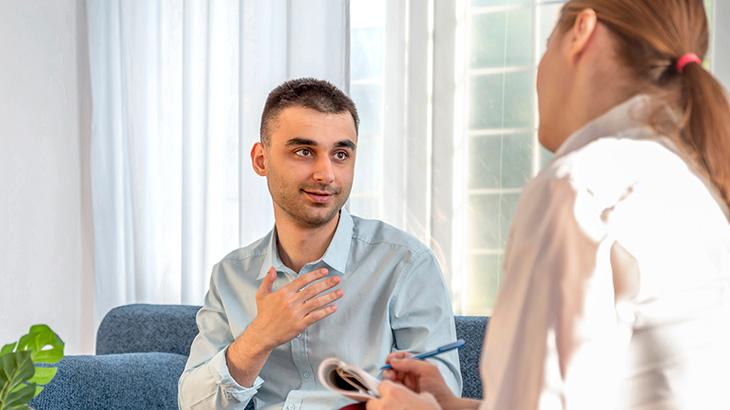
<point>345,144</point>
<point>298,141</point>
<point>301,141</point>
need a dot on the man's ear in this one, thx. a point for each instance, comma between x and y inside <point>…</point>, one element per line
<point>581,33</point>
<point>258,159</point>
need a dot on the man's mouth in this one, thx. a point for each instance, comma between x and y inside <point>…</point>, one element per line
<point>321,197</point>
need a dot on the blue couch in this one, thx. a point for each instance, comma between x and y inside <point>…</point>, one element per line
<point>141,351</point>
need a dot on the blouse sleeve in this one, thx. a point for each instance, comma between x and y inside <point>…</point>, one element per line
<point>554,339</point>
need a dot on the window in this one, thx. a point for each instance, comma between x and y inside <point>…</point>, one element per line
<point>505,42</point>
<point>452,172</point>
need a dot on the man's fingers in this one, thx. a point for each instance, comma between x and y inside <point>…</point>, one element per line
<point>319,287</point>
<point>306,279</point>
<point>319,314</point>
<point>268,283</point>
<point>326,299</point>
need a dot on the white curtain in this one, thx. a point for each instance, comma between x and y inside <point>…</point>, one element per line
<point>450,115</point>
<point>178,88</point>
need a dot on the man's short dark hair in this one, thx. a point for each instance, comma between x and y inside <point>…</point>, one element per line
<point>318,95</point>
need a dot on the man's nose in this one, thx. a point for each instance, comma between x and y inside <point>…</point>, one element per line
<point>324,172</point>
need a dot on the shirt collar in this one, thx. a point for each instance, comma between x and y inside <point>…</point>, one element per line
<point>633,114</point>
<point>271,257</point>
<point>338,250</point>
<point>335,256</point>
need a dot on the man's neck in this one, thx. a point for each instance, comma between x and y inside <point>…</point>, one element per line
<point>299,245</point>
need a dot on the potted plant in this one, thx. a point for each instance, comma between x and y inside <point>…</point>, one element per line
<point>21,379</point>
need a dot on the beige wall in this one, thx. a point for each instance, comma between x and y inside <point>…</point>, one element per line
<point>45,240</point>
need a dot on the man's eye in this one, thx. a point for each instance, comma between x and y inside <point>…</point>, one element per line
<point>304,152</point>
<point>342,155</point>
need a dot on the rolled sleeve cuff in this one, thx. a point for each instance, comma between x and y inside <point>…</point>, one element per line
<point>228,384</point>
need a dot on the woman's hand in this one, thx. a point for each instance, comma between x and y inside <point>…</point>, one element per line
<point>395,397</point>
<point>419,376</point>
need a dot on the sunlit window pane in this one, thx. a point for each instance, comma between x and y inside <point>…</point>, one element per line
<point>500,161</point>
<point>490,215</point>
<point>502,100</point>
<point>484,278</point>
<point>508,35</point>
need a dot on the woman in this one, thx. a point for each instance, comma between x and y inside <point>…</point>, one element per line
<point>616,291</point>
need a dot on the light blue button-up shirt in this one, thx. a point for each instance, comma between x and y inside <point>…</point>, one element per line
<point>394,299</point>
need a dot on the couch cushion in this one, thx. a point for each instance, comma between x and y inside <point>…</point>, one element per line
<point>116,381</point>
<point>147,328</point>
<point>171,328</point>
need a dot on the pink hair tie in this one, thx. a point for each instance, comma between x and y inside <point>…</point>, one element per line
<point>687,59</point>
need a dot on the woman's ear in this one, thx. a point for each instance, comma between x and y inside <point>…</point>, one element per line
<point>258,159</point>
<point>581,33</point>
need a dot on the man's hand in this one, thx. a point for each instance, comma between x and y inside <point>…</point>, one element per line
<point>283,314</point>
<point>419,376</point>
<point>280,316</point>
<point>395,397</point>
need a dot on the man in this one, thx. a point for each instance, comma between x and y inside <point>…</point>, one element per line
<point>322,283</point>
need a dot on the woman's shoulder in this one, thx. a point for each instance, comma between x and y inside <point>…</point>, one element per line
<point>642,175</point>
<point>609,167</point>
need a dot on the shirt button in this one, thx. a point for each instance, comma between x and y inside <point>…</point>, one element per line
<point>306,375</point>
<point>289,406</point>
<point>300,336</point>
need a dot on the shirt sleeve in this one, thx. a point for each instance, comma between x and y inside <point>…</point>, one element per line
<point>555,340</point>
<point>206,382</point>
<point>421,315</point>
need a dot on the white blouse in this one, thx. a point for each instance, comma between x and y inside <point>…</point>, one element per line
<point>618,208</point>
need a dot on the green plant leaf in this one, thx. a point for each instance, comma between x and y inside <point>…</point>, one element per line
<point>20,381</point>
<point>8,348</point>
<point>20,397</point>
<point>43,375</point>
<point>19,407</point>
<point>16,368</point>
<point>45,345</point>
<point>38,390</point>
<point>4,378</point>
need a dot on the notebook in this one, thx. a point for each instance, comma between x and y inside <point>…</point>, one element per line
<point>348,380</point>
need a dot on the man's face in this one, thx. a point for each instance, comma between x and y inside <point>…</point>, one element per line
<point>309,163</point>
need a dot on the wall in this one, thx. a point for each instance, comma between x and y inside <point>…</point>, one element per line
<point>721,63</point>
<point>45,240</point>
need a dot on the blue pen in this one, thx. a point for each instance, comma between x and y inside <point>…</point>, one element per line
<point>425,355</point>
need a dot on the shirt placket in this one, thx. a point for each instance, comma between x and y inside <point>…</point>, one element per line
<point>300,357</point>
<point>301,360</point>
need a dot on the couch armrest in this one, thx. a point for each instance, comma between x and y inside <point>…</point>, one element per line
<point>147,328</point>
<point>118,381</point>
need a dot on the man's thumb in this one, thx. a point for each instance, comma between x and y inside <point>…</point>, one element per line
<point>268,283</point>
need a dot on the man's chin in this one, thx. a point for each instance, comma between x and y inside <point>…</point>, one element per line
<point>316,216</point>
